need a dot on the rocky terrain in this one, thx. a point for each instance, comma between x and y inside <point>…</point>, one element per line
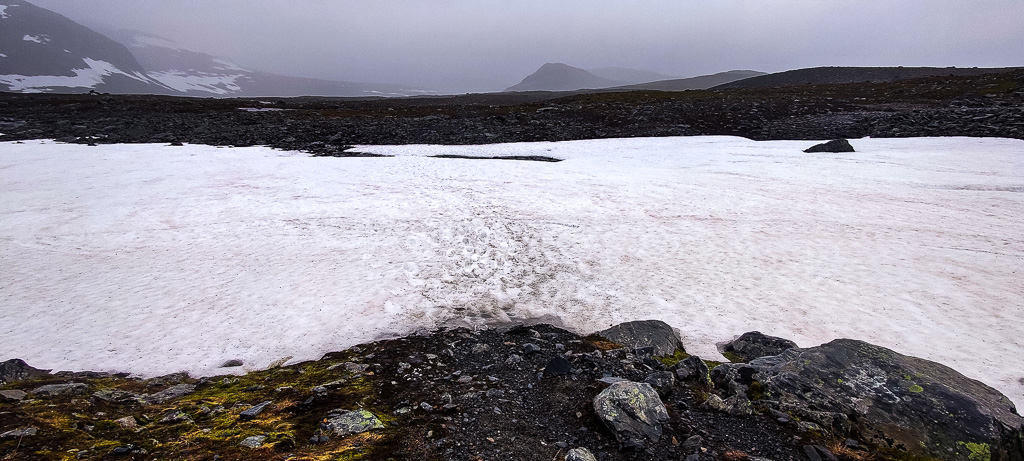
<point>978,105</point>
<point>523,392</point>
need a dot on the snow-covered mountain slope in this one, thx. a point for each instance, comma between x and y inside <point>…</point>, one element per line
<point>42,51</point>
<point>200,74</point>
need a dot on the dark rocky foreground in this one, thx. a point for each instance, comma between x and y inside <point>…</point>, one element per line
<point>979,105</point>
<point>524,392</point>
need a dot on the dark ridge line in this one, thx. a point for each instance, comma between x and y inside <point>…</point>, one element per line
<point>348,154</point>
<point>531,158</point>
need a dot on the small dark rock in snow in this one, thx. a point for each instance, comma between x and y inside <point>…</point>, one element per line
<point>835,145</point>
<point>232,363</point>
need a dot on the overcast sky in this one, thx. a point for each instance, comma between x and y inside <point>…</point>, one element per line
<point>481,45</point>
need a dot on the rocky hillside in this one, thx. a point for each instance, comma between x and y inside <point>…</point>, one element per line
<point>833,75</point>
<point>524,392</point>
<point>702,82</point>
<point>562,77</point>
<point>42,51</point>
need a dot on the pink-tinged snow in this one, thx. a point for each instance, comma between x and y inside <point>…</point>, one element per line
<point>3,11</point>
<point>87,77</point>
<point>154,259</point>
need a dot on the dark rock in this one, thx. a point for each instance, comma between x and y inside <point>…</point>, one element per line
<point>56,390</point>
<point>754,344</point>
<point>16,370</point>
<point>633,412</point>
<point>19,433</point>
<point>662,381</point>
<point>125,450</point>
<point>894,401</point>
<point>254,411</point>
<point>645,333</point>
<point>13,395</point>
<point>580,454</point>
<point>318,439</point>
<point>353,422</point>
<point>557,366</point>
<point>232,363</point>
<point>175,416</point>
<point>835,146</point>
<point>693,369</point>
<point>171,393</point>
<point>530,348</point>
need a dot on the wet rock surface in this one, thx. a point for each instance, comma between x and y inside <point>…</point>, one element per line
<point>981,105</point>
<point>467,395</point>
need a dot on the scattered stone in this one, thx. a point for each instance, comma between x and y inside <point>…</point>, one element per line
<point>116,396</point>
<point>353,367</point>
<point>530,348</point>
<point>557,366</point>
<point>645,333</point>
<point>318,439</point>
<point>128,422</point>
<point>514,359</point>
<point>12,395</point>
<point>891,399</point>
<point>16,370</point>
<point>580,454</point>
<point>231,363</point>
<point>693,368</point>
<point>175,416</point>
<point>480,348</point>
<point>754,344</point>
<point>426,406</point>
<point>171,393</point>
<point>835,146</point>
<point>18,433</point>
<point>611,380</point>
<point>633,412</point>
<point>353,422</point>
<point>57,390</point>
<point>254,411</point>
<point>127,449</point>
<point>662,381</point>
<point>254,441</point>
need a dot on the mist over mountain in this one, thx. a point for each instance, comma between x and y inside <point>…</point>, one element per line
<point>628,75</point>
<point>562,77</point>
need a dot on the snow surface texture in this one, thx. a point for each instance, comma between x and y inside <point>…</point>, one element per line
<point>3,12</point>
<point>88,77</point>
<point>210,83</point>
<point>155,259</point>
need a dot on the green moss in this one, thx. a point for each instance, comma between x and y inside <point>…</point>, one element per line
<point>671,360</point>
<point>916,389</point>
<point>756,391</point>
<point>979,451</point>
<point>733,357</point>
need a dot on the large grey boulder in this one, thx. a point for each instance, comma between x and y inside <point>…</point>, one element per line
<point>645,333</point>
<point>754,344</point>
<point>17,369</point>
<point>633,411</point>
<point>892,401</point>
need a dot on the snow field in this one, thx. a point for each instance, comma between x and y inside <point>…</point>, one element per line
<point>154,259</point>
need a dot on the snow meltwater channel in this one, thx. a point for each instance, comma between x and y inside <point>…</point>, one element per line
<point>154,259</point>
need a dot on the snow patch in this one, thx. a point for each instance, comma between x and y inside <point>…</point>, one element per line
<point>41,38</point>
<point>88,77</point>
<point>251,253</point>
<point>143,41</point>
<point>183,81</point>
<point>3,12</point>
<point>3,55</point>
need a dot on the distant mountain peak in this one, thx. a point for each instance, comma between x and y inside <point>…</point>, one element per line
<point>556,76</point>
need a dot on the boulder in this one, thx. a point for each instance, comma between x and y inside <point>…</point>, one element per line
<point>633,411</point>
<point>12,395</point>
<point>754,344</point>
<point>17,369</point>
<point>579,454</point>
<point>835,145</point>
<point>254,411</point>
<point>171,393</point>
<point>893,401</point>
<point>58,390</point>
<point>353,422</point>
<point>645,333</point>
<point>693,369</point>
